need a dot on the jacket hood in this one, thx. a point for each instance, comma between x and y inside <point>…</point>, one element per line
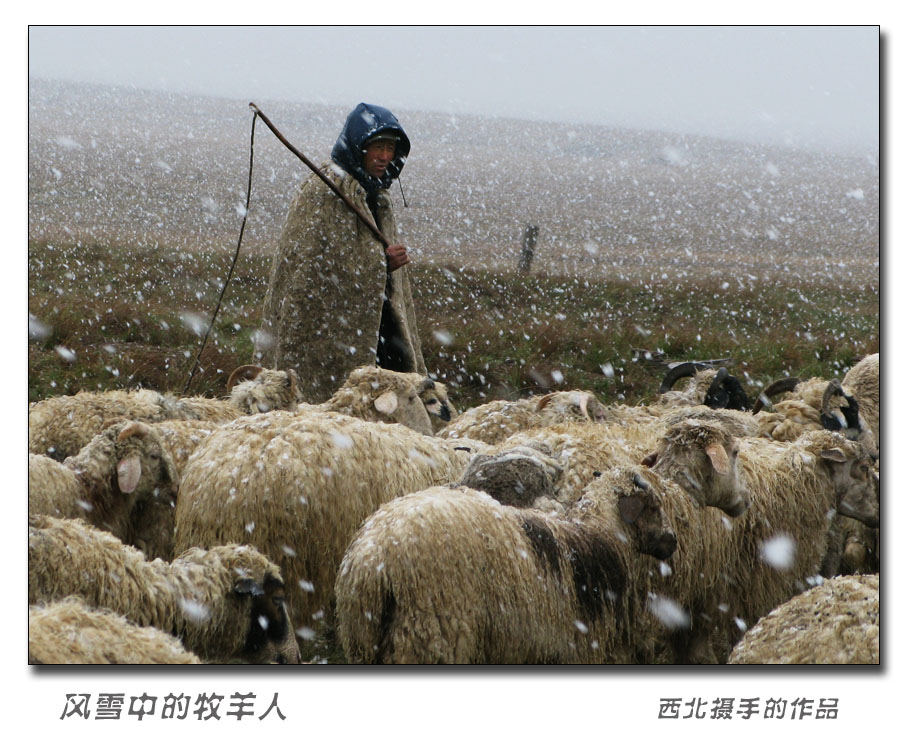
<point>364,122</point>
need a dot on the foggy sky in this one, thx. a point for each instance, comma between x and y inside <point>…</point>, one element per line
<point>812,86</point>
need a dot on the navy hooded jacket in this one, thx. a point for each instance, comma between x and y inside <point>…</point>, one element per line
<point>364,122</point>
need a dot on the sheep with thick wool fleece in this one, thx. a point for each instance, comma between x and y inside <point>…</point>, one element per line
<point>834,623</point>
<point>370,393</point>
<point>69,632</point>
<point>380,395</point>
<point>298,489</point>
<point>777,547</point>
<point>699,456</point>
<point>698,463</point>
<point>123,481</point>
<point>497,420</point>
<point>61,426</point>
<point>225,604</point>
<point>450,575</point>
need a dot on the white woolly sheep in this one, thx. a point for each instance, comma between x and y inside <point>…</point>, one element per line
<point>379,395</point>
<point>61,426</point>
<point>697,462</point>
<point>251,390</point>
<point>497,420</point>
<point>299,488</point>
<point>182,437</point>
<point>836,622</point>
<point>225,604</point>
<point>777,547</point>
<point>123,481</point>
<point>698,456</point>
<point>449,575</point>
<point>68,632</point>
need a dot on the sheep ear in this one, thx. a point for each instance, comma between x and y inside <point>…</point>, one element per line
<point>834,454</point>
<point>386,403</point>
<point>129,471</point>
<point>248,587</point>
<point>718,456</point>
<point>650,459</point>
<point>584,406</point>
<point>630,508</point>
<point>543,401</point>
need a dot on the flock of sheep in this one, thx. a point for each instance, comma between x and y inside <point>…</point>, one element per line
<point>693,529</point>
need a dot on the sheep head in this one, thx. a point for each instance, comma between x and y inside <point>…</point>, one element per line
<point>516,476</point>
<point>581,404</point>
<point>233,597</point>
<point>261,390</point>
<point>629,499</point>
<point>853,478</point>
<point>726,392</point>
<point>434,396</point>
<point>641,510</point>
<point>144,468</point>
<point>702,458</point>
<point>270,638</point>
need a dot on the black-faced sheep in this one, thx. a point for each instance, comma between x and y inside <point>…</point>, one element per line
<point>815,404</point>
<point>299,488</point>
<point>225,604</point>
<point>714,388</point>
<point>68,632</point>
<point>449,575</point>
<point>123,481</point>
<point>836,622</point>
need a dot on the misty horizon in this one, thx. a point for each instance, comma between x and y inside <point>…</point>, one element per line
<point>802,87</point>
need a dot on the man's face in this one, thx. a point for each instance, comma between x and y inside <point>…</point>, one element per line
<point>378,154</point>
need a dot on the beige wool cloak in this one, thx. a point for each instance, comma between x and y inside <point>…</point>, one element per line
<point>322,310</point>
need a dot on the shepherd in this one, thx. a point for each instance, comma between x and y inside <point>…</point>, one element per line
<point>338,298</point>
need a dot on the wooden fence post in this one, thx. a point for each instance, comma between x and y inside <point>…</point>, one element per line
<point>530,236</point>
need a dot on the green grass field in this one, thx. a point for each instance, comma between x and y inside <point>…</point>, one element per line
<point>116,317</point>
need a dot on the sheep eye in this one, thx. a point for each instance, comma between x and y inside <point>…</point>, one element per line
<point>277,601</point>
<point>431,401</point>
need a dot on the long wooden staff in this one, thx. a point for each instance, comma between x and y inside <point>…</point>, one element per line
<point>349,203</point>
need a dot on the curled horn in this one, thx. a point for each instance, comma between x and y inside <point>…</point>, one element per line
<point>717,396</point>
<point>829,420</point>
<point>133,428</point>
<point>243,373</point>
<point>680,371</point>
<point>543,401</point>
<point>111,421</point>
<point>780,386</point>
